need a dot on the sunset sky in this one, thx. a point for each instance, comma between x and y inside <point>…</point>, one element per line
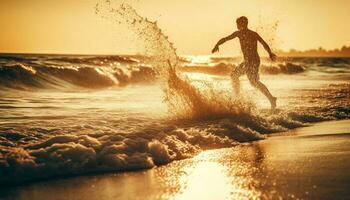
<point>66,26</point>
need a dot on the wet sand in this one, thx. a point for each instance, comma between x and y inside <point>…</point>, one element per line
<point>306,163</point>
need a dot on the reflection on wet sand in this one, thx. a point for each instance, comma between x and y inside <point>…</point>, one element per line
<point>216,176</point>
<point>301,166</point>
<point>221,174</point>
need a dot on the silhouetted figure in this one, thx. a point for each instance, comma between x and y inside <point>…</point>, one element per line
<point>249,42</point>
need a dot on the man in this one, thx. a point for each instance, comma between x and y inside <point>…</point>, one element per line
<point>249,42</point>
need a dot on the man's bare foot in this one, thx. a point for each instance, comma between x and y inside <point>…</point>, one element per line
<point>273,103</point>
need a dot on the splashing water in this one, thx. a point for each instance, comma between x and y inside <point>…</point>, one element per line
<point>98,137</point>
<point>184,100</point>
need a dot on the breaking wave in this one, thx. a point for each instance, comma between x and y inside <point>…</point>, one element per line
<point>28,72</point>
<point>81,73</point>
<point>110,150</point>
<point>223,69</point>
<point>203,118</point>
<point>24,76</point>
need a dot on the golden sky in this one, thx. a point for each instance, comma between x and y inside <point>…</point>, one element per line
<point>71,26</point>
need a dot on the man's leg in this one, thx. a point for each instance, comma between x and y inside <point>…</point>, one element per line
<point>253,76</point>
<point>267,93</point>
<point>236,73</point>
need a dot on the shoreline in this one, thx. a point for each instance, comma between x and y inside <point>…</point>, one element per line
<point>279,166</point>
<point>282,56</point>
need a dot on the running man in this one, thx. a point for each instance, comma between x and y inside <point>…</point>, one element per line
<point>250,66</point>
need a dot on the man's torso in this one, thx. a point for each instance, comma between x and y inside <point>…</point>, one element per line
<point>249,42</point>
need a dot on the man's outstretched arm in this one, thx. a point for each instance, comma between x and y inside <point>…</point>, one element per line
<point>267,48</point>
<point>223,40</point>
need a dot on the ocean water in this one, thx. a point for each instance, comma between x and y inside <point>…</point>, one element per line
<point>69,115</point>
<point>65,115</point>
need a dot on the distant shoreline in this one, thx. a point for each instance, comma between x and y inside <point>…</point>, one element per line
<point>281,55</point>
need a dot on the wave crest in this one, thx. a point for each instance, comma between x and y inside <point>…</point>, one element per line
<point>20,76</point>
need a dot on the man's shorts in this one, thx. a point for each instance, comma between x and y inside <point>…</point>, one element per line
<point>249,68</point>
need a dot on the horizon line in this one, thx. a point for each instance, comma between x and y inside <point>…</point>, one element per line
<point>183,55</point>
<point>289,51</point>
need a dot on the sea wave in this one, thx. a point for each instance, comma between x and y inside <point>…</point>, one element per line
<point>95,72</point>
<point>202,119</point>
<point>226,69</point>
<point>21,76</point>
<point>108,150</point>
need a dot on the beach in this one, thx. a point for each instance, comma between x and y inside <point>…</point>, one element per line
<point>76,128</point>
<point>305,163</point>
<point>180,100</point>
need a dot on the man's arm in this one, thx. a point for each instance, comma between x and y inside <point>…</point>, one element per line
<point>223,40</point>
<point>267,48</point>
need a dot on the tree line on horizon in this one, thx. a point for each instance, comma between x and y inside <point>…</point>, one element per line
<point>320,52</point>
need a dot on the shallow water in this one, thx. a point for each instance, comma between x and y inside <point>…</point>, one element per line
<point>84,114</point>
<point>280,167</point>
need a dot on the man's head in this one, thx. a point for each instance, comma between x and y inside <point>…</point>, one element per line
<point>242,23</point>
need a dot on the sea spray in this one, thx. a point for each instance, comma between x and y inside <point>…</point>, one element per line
<point>183,99</point>
<point>110,150</point>
<point>48,145</point>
